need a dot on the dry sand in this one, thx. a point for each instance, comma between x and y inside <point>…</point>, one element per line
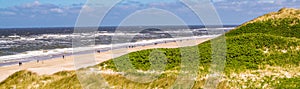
<point>48,67</point>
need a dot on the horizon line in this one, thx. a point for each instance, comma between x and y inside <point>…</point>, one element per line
<point>106,26</point>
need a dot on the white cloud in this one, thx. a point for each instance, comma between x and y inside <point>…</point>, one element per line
<point>57,10</point>
<point>7,13</point>
<point>33,4</point>
<point>216,1</point>
<point>266,1</point>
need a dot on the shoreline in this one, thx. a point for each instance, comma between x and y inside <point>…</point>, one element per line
<point>57,64</point>
<point>100,48</point>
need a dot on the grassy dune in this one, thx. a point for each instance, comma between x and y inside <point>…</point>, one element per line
<point>262,53</point>
<point>29,80</point>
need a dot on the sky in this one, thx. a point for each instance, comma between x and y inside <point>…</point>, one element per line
<point>64,13</point>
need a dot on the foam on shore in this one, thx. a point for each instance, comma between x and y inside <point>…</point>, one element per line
<point>48,54</point>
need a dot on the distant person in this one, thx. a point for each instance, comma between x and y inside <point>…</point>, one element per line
<point>38,61</point>
<point>98,51</point>
<point>20,63</point>
<point>130,46</point>
<point>63,56</point>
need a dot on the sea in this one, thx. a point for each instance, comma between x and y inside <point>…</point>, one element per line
<point>31,44</point>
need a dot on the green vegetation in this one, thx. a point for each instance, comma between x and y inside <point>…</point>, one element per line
<point>289,83</point>
<point>29,80</point>
<point>263,53</point>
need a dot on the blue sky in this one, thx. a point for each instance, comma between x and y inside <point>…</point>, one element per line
<point>64,13</point>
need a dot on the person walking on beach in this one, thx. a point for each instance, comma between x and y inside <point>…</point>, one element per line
<point>63,56</point>
<point>20,63</point>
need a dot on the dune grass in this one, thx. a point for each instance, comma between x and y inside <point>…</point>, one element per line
<point>30,80</point>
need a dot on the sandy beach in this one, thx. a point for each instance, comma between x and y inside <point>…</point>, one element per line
<point>48,67</point>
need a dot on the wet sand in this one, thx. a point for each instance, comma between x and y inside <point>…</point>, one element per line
<point>48,67</point>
